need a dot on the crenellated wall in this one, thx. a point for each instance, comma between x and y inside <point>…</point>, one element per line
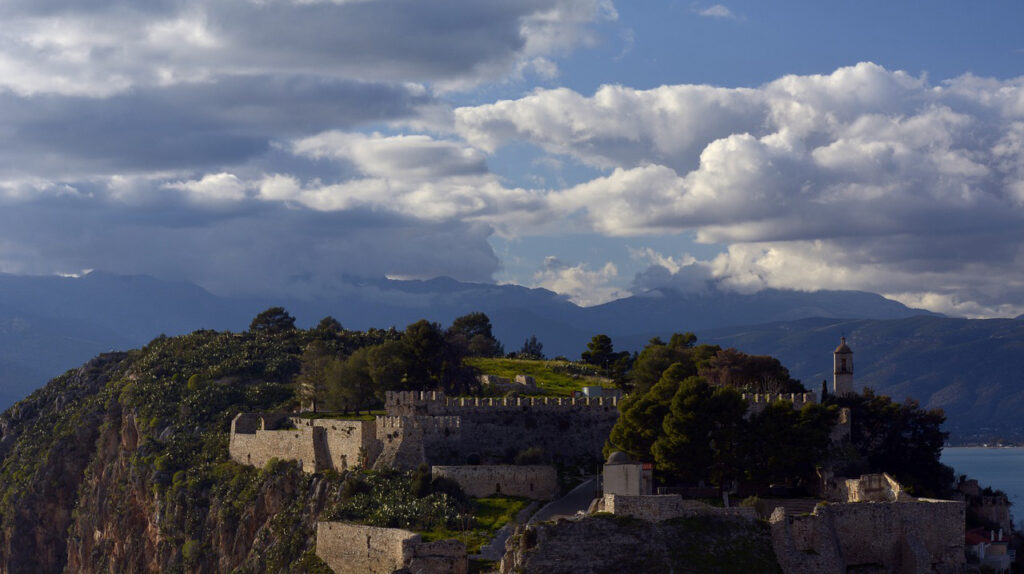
<point>409,403</point>
<point>431,428</point>
<point>758,401</point>
<point>496,429</point>
<point>539,482</point>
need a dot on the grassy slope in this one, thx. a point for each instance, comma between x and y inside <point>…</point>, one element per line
<point>556,378</point>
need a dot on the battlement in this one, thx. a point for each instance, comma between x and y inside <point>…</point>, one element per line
<point>429,424</point>
<point>798,399</point>
<point>399,403</point>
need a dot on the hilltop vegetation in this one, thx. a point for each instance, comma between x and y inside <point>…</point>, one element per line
<point>122,464</point>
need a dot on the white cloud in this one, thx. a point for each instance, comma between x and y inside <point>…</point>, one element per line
<point>214,188</point>
<point>717,11</point>
<point>861,179</point>
<point>582,286</point>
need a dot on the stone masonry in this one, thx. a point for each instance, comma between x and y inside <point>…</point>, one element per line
<point>318,444</point>
<point>537,482</point>
<point>658,507</point>
<point>897,537</point>
<point>358,549</point>
<point>430,428</point>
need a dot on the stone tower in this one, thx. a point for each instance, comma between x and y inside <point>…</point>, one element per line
<point>842,384</point>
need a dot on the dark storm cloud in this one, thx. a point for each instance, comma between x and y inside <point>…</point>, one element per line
<point>260,250</point>
<point>190,126</point>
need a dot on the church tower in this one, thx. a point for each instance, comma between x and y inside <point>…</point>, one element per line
<point>842,384</point>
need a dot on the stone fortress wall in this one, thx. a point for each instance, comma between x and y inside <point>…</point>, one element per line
<point>430,428</point>
<point>899,537</point>
<point>358,549</point>
<point>317,444</point>
<point>538,482</point>
<point>757,401</point>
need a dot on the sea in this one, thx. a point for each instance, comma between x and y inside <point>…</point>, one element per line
<point>1002,468</point>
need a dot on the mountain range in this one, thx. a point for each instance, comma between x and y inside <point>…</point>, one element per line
<point>50,324</point>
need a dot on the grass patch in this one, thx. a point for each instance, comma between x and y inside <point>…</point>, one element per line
<point>489,515</point>
<point>366,416</point>
<point>555,378</point>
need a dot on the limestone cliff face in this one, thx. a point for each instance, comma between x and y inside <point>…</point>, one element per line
<point>121,466</point>
<point>121,525</point>
<point>42,476</point>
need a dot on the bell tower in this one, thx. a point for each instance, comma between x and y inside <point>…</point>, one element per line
<point>842,383</point>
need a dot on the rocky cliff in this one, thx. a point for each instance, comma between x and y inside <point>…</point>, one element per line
<point>605,543</point>
<point>121,465</point>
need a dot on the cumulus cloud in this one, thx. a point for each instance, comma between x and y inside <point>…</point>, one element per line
<point>582,286</point>
<point>864,178</point>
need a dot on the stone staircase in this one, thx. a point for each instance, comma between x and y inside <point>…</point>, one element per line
<point>793,506</point>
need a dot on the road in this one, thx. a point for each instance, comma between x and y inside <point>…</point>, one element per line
<point>578,500</point>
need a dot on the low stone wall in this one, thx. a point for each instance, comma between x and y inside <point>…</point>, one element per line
<point>358,549</point>
<point>898,537</point>
<point>667,506</point>
<point>538,482</point>
<point>867,488</point>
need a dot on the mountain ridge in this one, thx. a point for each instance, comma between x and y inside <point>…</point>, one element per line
<point>50,324</point>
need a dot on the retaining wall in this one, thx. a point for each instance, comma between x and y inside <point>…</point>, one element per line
<point>660,507</point>
<point>538,482</point>
<point>899,537</point>
<point>358,549</point>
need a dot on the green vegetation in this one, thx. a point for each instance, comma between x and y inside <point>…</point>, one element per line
<point>692,423</point>
<point>555,378</point>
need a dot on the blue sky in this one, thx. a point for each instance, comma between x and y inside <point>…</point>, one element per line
<point>594,148</point>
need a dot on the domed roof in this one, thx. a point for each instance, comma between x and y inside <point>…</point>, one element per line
<point>618,457</point>
<point>843,348</point>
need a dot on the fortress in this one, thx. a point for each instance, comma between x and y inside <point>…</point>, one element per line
<point>431,428</point>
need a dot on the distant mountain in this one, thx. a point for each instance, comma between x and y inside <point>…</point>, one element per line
<point>50,324</point>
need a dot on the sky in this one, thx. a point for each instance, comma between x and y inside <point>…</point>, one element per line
<point>598,149</point>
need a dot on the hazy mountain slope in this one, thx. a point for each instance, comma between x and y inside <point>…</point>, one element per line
<point>665,310</point>
<point>969,368</point>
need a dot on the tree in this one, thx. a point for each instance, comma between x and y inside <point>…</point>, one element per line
<point>785,445</point>
<point>273,320</point>
<point>751,373</point>
<point>313,380</point>
<point>901,439</point>
<point>599,351</point>
<point>351,383</point>
<point>641,416</point>
<point>658,356</point>
<point>531,349</point>
<point>701,434</point>
<point>329,325</point>
<point>473,333</point>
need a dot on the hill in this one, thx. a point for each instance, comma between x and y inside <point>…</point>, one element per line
<point>50,324</point>
<point>968,368</point>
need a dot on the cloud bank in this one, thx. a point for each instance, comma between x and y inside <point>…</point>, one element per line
<point>263,145</point>
<point>861,179</point>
